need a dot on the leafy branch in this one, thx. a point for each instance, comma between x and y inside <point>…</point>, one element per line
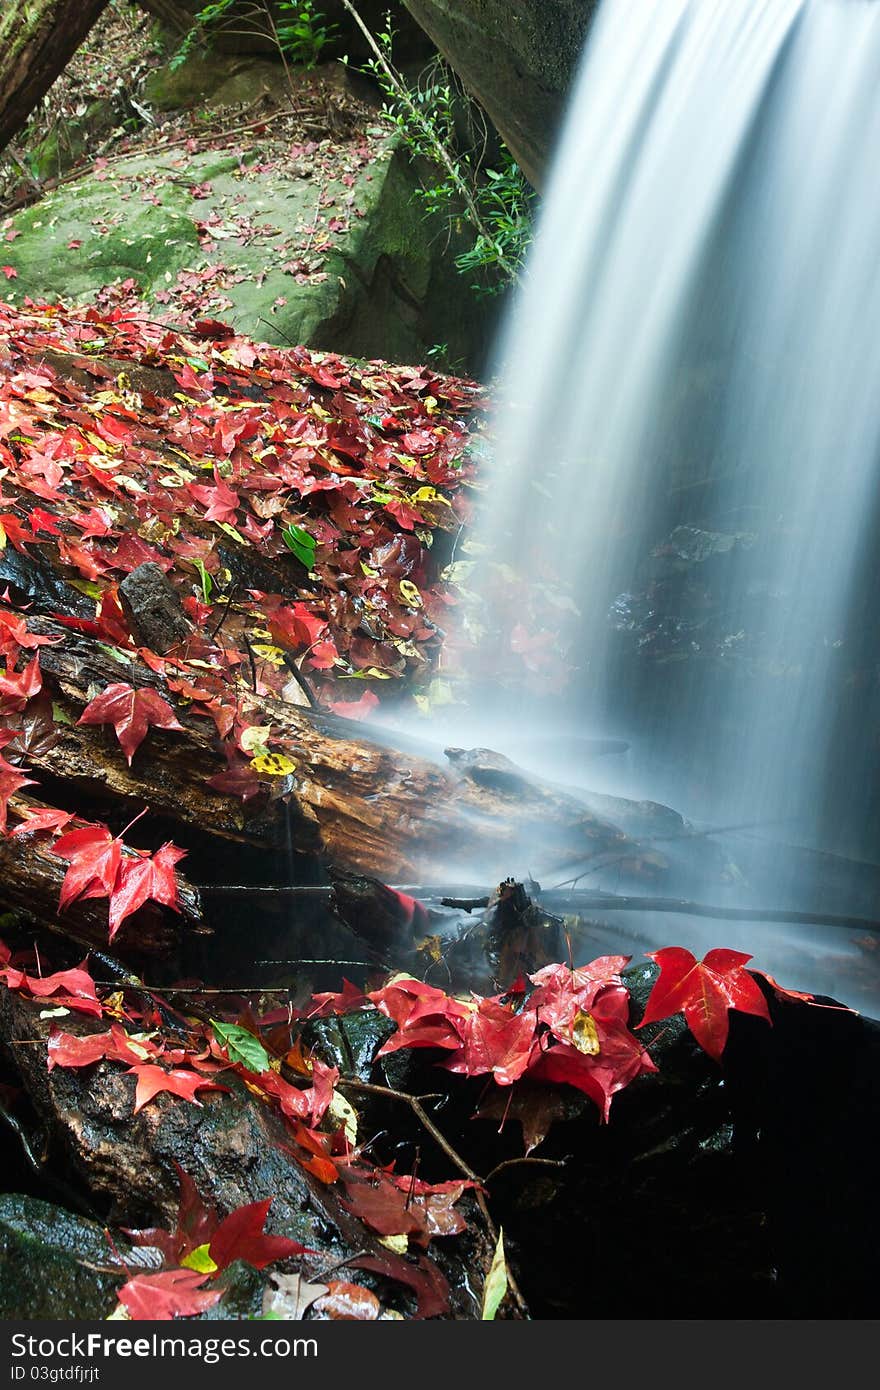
<point>496,202</point>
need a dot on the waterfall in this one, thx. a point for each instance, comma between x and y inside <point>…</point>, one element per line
<point>689,411</point>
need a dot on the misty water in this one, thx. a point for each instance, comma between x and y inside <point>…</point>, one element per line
<point>687,440</point>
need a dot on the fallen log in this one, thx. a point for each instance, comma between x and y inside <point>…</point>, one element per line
<point>350,800</point>
<point>31,879</point>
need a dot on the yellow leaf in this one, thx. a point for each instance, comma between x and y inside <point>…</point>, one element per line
<point>268,653</point>
<point>430,494</point>
<point>200,1260</point>
<point>432,948</point>
<point>458,572</point>
<point>255,736</point>
<point>342,1113</point>
<point>231,531</point>
<point>100,444</point>
<point>273,764</point>
<point>430,404</point>
<point>399,1244</point>
<point>2,537</point>
<point>409,593</point>
<point>585,1034</point>
<point>114,1005</point>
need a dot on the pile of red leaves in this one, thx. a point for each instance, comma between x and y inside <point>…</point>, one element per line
<point>336,478</point>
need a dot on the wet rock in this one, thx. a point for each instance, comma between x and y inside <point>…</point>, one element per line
<point>702,1196</point>
<point>53,1264</point>
<point>153,609</point>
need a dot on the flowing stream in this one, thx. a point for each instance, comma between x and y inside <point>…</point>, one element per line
<point>689,417</point>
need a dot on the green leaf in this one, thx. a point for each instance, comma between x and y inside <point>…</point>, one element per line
<point>495,1286</point>
<point>241,1046</point>
<point>206,580</point>
<point>87,587</point>
<point>115,652</point>
<point>297,539</point>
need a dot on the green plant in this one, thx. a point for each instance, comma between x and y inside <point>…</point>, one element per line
<point>304,36</point>
<point>497,203</point>
<point>300,39</point>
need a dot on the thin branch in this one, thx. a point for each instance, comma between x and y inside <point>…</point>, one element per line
<point>582,899</point>
<point>369,1088</point>
<point>441,153</point>
<point>455,1159</point>
<point>301,680</point>
<point>518,1162</point>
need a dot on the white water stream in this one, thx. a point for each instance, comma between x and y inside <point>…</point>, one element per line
<point>703,303</point>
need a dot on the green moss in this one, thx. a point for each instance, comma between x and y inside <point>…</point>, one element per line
<point>387,286</point>
<point>212,79</point>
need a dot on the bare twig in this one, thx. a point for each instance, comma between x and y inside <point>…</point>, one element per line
<point>518,1162</point>
<point>454,1157</point>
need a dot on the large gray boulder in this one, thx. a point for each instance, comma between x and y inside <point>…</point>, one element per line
<point>518,58</point>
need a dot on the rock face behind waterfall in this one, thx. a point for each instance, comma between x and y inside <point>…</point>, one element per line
<point>518,57</point>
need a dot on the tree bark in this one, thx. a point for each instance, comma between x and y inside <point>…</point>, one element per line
<point>37,40</point>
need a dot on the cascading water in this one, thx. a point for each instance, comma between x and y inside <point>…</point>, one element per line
<point>689,413</point>
<point>697,347</point>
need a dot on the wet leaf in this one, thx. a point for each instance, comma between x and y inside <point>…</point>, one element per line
<point>495,1286</point>
<point>132,713</point>
<point>241,1046</point>
<point>704,991</point>
<point>301,544</point>
<point>289,1296</point>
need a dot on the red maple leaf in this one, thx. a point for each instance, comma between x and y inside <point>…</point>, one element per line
<point>240,1237</point>
<point>173,1293</point>
<point>69,1050</point>
<point>48,819</point>
<point>355,709</point>
<point>496,1040</point>
<point>221,501</point>
<point>196,1222</point>
<point>239,779</point>
<point>704,991</point>
<point>151,1080</point>
<point>72,989</point>
<point>148,877</point>
<point>17,687</point>
<point>94,856</point>
<point>11,781</point>
<point>131,712</point>
<point>296,626</point>
<point>14,633</point>
<point>799,996</point>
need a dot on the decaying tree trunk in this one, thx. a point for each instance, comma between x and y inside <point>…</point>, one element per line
<point>37,40</point>
<point>350,800</point>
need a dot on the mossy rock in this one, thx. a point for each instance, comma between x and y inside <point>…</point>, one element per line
<point>384,284</point>
<point>48,1260</point>
<point>213,79</point>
